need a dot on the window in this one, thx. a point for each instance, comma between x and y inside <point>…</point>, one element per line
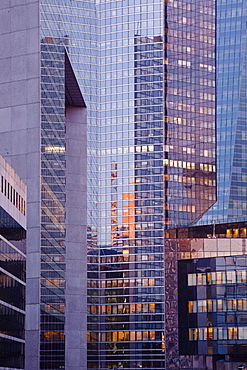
<point>191,279</point>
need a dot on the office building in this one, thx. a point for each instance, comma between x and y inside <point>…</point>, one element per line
<point>156,152</point>
<point>231,116</point>
<point>210,324</point>
<point>47,63</point>
<point>13,267</point>
<point>151,81</point>
<point>207,328</point>
<point>205,295</point>
<point>157,164</point>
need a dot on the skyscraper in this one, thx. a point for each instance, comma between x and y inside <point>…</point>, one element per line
<point>231,115</point>
<point>206,330</point>
<point>48,70</point>
<point>157,163</point>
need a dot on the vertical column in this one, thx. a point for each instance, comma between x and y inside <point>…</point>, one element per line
<point>20,136</point>
<point>76,248</point>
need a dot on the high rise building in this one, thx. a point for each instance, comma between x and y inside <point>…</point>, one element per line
<point>157,163</point>
<point>156,152</point>
<point>13,267</point>
<point>207,329</point>
<point>231,116</point>
<point>48,72</point>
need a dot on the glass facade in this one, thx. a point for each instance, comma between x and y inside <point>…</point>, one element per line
<point>12,267</point>
<point>212,306</point>
<point>131,175</point>
<point>53,203</point>
<point>157,164</point>
<point>226,230</point>
<point>67,27</point>
<point>189,111</point>
<point>12,304</point>
<point>205,298</point>
<point>231,117</point>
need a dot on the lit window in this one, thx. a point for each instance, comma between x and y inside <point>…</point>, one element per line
<point>210,334</point>
<point>242,333</point>
<point>55,149</point>
<point>241,276</point>
<point>202,305</point>
<point>201,279</point>
<point>231,277</point>
<point>209,305</point>
<point>190,306</point>
<point>193,334</point>
<point>191,279</point>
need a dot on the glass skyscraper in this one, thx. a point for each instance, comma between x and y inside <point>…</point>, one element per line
<point>48,81</point>
<point>207,328</point>
<point>231,113</point>
<point>65,28</point>
<point>154,143</point>
<point>157,164</point>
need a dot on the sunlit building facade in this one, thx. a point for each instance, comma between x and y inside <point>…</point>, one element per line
<point>157,164</point>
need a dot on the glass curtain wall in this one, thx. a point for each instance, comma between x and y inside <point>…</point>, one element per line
<point>189,101</point>
<point>231,114</point>
<point>157,161</point>
<point>131,192</point>
<point>12,306</point>
<point>70,25</point>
